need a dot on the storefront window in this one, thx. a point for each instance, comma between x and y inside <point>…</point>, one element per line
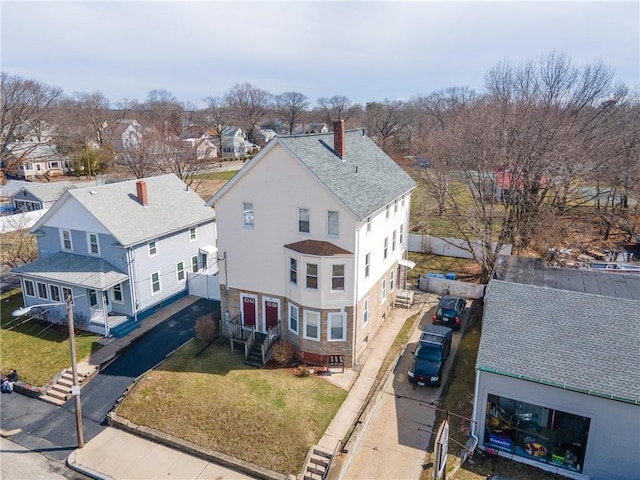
<point>535,432</point>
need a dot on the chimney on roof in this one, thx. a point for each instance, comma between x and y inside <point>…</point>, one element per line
<point>141,190</point>
<point>338,137</point>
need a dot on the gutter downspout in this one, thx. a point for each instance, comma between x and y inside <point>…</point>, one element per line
<point>132,281</point>
<point>472,430</point>
<point>357,296</point>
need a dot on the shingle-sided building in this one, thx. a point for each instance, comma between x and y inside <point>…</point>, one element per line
<point>558,370</point>
<point>119,250</point>
<point>310,235</point>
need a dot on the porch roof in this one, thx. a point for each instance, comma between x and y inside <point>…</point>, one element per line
<point>71,269</point>
<point>317,247</point>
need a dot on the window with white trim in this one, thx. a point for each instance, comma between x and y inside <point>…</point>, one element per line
<point>29,289</point>
<point>368,224</point>
<point>293,271</point>
<point>93,298</point>
<point>193,234</point>
<point>93,245</point>
<point>367,265</point>
<point>387,211</point>
<point>312,275</point>
<point>392,278</point>
<point>393,241</point>
<point>386,248</point>
<point>402,201</point>
<point>311,325</point>
<point>247,214</point>
<point>42,290</point>
<point>401,235</point>
<point>153,248</point>
<point>337,277</point>
<point>54,291</point>
<point>365,311</point>
<point>384,290</point>
<point>332,223</point>
<point>304,225</point>
<point>336,327</point>
<point>395,206</point>
<point>67,242</point>
<point>293,318</point>
<point>194,263</point>
<point>155,282</point>
<point>67,293</point>
<point>117,293</point>
<point>180,273</point>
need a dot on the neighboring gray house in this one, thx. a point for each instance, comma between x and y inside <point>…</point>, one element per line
<point>38,196</point>
<point>119,250</point>
<point>558,370</point>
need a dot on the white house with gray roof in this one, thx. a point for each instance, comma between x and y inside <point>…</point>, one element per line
<point>558,370</point>
<point>310,235</point>
<point>119,250</point>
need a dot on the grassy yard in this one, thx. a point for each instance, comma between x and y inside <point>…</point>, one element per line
<point>37,350</point>
<point>269,417</point>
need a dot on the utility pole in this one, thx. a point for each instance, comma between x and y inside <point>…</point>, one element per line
<point>75,389</point>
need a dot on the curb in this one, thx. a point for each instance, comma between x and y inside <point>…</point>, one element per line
<point>71,463</point>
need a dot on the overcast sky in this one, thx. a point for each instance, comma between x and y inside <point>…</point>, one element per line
<point>360,49</point>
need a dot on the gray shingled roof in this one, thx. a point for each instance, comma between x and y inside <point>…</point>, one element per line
<point>171,207</point>
<point>365,179</point>
<point>535,271</point>
<point>574,340</point>
<point>48,192</point>
<point>71,269</point>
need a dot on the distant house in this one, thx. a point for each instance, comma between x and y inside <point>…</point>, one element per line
<point>557,377</point>
<point>126,134</point>
<point>311,128</point>
<point>205,149</point>
<point>265,135</point>
<point>38,196</point>
<point>234,143</point>
<point>119,250</point>
<point>312,236</point>
<point>30,160</point>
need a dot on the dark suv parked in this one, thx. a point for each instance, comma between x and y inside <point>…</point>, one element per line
<point>430,355</point>
<point>449,312</point>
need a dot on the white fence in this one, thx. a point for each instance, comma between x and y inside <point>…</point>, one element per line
<point>449,247</point>
<point>204,285</point>
<point>444,286</point>
<point>18,221</point>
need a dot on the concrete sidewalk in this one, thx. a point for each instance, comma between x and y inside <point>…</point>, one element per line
<point>115,454</point>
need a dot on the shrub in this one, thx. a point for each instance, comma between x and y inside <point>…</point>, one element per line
<point>303,371</point>
<point>282,352</point>
<point>206,328</point>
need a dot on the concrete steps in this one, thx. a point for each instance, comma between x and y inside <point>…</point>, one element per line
<point>318,463</point>
<point>60,392</point>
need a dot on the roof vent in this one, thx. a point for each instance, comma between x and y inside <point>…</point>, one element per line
<point>93,192</point>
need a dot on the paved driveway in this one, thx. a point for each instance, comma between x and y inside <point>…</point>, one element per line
<point>51,430</point>
<point>395,441</point>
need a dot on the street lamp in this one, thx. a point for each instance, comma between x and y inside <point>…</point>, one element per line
<point>75,389</point>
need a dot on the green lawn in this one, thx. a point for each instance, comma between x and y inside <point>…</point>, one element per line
<point>226,175</point>
<point>37,350</point>
<point>269,417</point>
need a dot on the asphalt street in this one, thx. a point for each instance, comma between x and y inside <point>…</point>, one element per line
<point>51,430</point>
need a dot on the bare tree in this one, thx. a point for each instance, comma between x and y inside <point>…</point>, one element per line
<point>163,113</point>
<point>248,104</point>
<point>386,123</point>
<point>290,106</point>
<point>219,117</point>
<point>508,151</point>
<point>22,101</point>
<point>337,107</point>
